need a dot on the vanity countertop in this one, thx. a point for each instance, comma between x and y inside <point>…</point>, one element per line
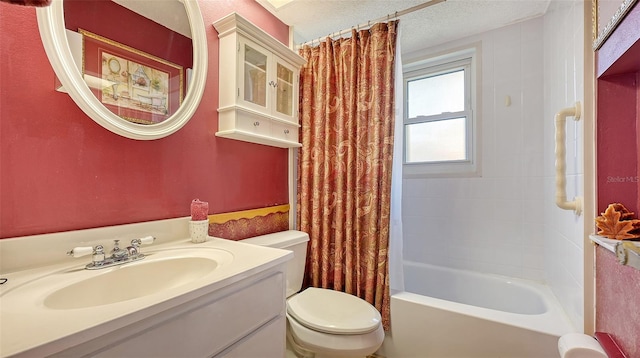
<point>28,326</point>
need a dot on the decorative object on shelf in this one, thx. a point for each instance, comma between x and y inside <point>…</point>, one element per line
<point>618,223</point>
<point>199,224</point>
<point>238,225</point>
<point>199,210</point>
<point>140,87</point>
<point>198,231</point>
<point>258,94</point>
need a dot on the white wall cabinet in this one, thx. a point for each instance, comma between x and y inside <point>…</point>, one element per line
<point>258,93</point>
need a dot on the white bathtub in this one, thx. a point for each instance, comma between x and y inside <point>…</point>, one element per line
<point>454,313</point>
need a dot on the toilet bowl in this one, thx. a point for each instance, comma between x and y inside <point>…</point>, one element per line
<point>332,323</point>
<point>323,322</point>
<point>579,345</point>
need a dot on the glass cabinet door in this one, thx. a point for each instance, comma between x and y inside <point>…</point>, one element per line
<point>268,83</point>
<point>285,90</point>
<point>255,75</point>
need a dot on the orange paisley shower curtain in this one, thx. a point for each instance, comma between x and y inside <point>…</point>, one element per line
<point>344,176</point>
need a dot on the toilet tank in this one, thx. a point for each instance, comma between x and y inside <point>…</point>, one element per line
<point>292,240</point>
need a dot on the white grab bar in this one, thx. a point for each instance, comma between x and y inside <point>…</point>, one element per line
<point>561,165</point>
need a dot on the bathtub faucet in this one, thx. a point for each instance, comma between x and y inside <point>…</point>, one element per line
<point>118,255</point>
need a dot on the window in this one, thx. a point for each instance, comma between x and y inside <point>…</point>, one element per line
<point>440,128</point>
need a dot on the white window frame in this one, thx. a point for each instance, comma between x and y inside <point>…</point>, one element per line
<point>469,60</point>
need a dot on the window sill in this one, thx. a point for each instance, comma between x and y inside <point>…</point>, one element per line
<point>450,170</point>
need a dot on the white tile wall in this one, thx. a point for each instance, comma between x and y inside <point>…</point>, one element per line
<point>491,223</point>
<point>506,222</point>
<point>563,86</point>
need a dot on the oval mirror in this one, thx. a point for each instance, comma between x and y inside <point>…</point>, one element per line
<point>117,62</point>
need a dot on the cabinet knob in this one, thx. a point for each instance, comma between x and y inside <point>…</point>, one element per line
<point>256,123</point>
<point>286,131</point>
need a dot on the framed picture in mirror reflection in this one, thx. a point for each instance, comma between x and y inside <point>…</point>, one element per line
<point>137,86</point>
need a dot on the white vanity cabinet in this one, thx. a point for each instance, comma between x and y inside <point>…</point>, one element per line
<point>258,93</point>
<point>245,319</point>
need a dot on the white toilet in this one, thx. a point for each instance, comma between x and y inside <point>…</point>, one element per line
<point>323,322</point>
<point>580,345</point>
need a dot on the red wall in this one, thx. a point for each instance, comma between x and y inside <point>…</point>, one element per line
<point>617,296</point>
<point>61,171</point>
<point>618,115</point>
<point>617,149</point>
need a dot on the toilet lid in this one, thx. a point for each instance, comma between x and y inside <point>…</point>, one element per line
<point>333,312</point>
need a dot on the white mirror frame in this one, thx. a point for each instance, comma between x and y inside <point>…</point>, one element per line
<point>52,31</point>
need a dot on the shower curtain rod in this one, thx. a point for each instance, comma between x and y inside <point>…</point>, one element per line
<point>366,25</point>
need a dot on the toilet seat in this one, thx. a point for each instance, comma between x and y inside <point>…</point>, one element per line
<point>333,312</point>
<point>322,344</point>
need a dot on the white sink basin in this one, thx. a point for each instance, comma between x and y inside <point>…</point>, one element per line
<point>129,281</point>
<point>158,272</point>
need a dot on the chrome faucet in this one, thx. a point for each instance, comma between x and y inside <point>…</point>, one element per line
<point>118,255</point>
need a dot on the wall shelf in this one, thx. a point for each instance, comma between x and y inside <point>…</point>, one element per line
<point>627,252</point>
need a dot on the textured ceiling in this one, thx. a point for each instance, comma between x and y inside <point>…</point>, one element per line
<point>440,23</point>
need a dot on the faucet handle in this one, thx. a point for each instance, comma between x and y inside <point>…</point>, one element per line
<point>118,253</point>
<point>143,241</point>
<point>80,251</point>
<point>98,255</point>
<point>97,252</point>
